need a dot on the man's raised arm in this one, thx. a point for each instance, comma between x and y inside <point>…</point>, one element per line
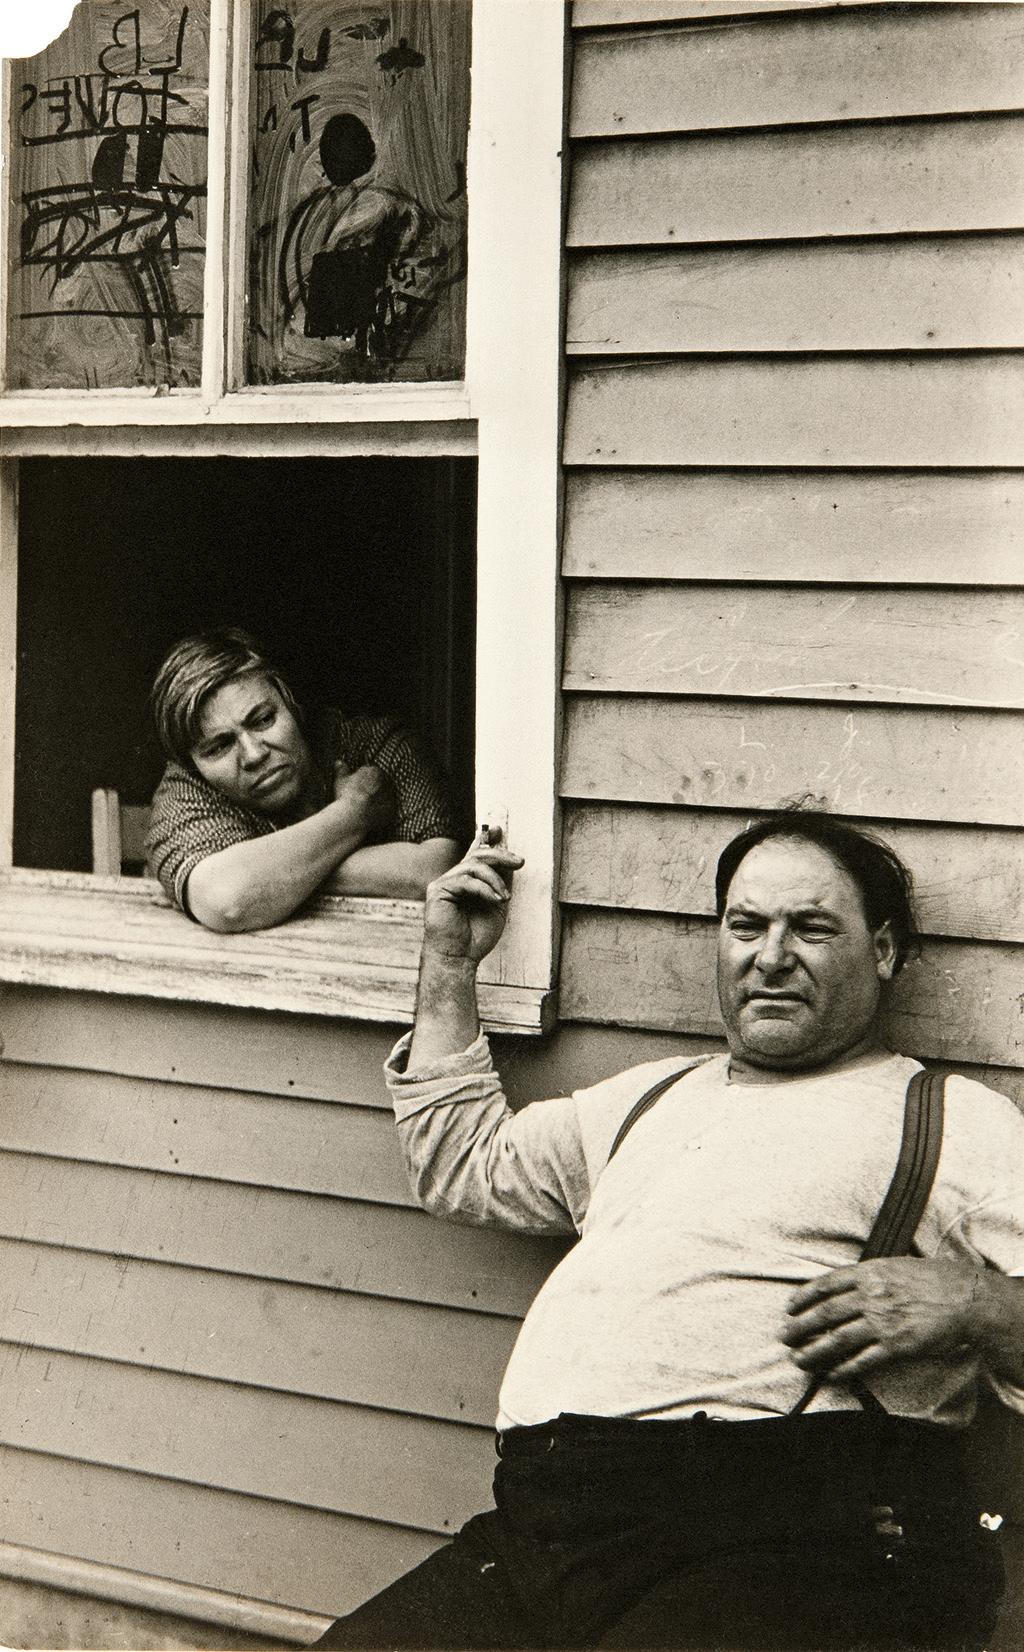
<point>463,919</point>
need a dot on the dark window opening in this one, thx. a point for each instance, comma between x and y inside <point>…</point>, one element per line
<point>358,575</point>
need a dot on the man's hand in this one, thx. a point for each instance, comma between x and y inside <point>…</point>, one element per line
<point>466,907</point>
<point>371,796</point>
<point>854,1320</point>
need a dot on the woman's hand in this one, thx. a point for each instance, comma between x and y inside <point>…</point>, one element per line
<point>371,796</point>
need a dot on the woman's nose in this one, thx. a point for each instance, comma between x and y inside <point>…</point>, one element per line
<point>251,749</point>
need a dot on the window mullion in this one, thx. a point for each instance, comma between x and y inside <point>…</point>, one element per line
<point>216,281</point>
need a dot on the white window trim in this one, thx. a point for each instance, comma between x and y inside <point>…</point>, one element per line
<point>508,411</point>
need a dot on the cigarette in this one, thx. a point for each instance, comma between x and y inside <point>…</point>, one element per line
<point>483,836</point>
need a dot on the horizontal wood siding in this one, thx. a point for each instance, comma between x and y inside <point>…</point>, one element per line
<point>793,538</point>
<point>221,1540</point>
<point>769,71</point>
<point>844,410</point>
<point>827,526</point>
<point>942,647</point>
<point>231,1352</point>
<point>928,293</point>
<point>879,178</point>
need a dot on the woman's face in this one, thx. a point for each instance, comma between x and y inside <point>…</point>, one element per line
<point>251,747</point>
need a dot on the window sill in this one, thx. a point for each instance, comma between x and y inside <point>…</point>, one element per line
<point>344,956</point>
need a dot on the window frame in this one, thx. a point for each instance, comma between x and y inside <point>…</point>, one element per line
<point>74,930</point>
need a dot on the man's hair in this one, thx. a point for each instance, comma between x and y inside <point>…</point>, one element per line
<point>885,885</point>
<point>193,670</point>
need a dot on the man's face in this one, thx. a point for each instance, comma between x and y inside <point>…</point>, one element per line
<point>799,971</point>
<point>250,746</point>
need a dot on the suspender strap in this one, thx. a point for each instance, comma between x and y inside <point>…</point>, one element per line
<point>892,1232</point>
<point>639,1108</point>
<point>903,1205</point>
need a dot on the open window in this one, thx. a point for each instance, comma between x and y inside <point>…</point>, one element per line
<point>281,329</point>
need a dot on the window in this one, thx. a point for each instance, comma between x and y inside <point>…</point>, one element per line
<point>415,362</point>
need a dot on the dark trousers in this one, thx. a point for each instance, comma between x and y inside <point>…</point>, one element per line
<point>845,1531</point>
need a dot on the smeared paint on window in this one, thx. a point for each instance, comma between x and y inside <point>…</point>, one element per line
<point>357,241</point>
<point>109,161</point>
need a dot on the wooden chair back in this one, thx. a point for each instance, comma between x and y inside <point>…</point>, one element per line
<point>118,833</point>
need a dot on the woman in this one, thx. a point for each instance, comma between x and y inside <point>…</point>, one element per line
<point>255,811</point>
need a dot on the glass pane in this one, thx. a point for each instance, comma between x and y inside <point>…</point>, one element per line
<point>108,193</point>
<point>357,229</point>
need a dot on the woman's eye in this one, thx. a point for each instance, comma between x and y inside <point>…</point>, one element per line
<point>264,719</point>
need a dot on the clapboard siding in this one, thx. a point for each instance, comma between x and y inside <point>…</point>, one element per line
<point>346,1244</point>
<point>924,527</point>
<point>842,410</point>
<point>926,293</point>
<point>220,1540</point>
<point>341,1458</point>
<point>211,1045</point>
<point>188,1131</point>
<point>608,13</point>
<point>941,647</point>
<point>917,60</point>
<point>968,882</point>
<point>959,1001</point>
<point>908,763</point>
<point>879,178</point>
<point>431,1362</point>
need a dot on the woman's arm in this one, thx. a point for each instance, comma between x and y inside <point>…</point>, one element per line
<point>261,881</point>
<point>399,870</point>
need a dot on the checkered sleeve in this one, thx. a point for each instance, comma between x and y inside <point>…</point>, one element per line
<point>424,810</point>
<point>191,820</point>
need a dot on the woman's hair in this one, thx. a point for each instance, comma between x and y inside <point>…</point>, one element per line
<point>885,884</point>
<point>193,670</point>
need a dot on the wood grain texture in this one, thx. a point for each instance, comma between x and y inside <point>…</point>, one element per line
<point>344,956</point>
<point>910,763</point>
<point>926,293</point>
<point>244,1545</point>
<point>188,1131</point>
<point>347,1245</point>
<point>432,1362</point>
<point>965,410</point>
<point>602,13</point>
<point>299,1056</point>
<point>341,1458</point>
<point>968,881</point>
<point>856,180</point>
<point>914,648</point>
<point>959,1002</point>
<point>766,71</point>
<point>918,527</point>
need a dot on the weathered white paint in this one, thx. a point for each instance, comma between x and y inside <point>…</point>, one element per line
<point>514,377</point>
<point>880,177</point>
<point>924,293</point>
<point>914,527</point>
<point>769,71</point>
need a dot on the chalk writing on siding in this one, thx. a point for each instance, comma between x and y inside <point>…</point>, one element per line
<point>109,187</point>
<point>357,259</point>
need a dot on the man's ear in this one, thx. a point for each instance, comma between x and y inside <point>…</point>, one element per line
<point>885,951</point>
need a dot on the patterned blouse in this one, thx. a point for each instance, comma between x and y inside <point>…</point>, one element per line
<point>192,819</point>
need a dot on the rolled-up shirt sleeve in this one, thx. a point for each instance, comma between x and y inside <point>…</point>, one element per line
<point>472,1159</point>
<point>190,820</point>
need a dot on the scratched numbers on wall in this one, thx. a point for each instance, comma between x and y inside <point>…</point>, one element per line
<point>109,163</point>
<point>357,226</point>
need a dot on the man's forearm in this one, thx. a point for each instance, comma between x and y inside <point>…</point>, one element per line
<point>447,1021</point>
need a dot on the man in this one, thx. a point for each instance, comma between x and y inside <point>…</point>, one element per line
<point>656,1486</point>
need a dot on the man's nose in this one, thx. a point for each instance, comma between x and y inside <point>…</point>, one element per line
<point>774,954</point>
